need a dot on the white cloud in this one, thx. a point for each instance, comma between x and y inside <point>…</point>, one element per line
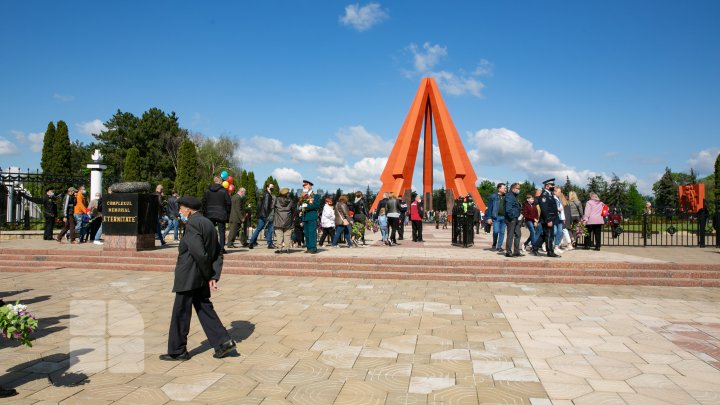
<point>313,153</point>
<point>503,147</point>
<point>287,175</point>
<point>363,18</point>
<point>357,141</point>
<point>425,60</point>
<point>703,162</point>
<point>259,149</point>
<point>457,84</point>
<point>361,173</point>
<point>7,147</point>
<point>91,127</point>
<point>63,98</point>
<point>33,139</point>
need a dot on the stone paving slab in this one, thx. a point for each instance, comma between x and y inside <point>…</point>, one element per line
<point>353,341</point>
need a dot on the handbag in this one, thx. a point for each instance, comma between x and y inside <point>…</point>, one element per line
<point>345,222</point>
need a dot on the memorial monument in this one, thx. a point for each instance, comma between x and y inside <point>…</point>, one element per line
<point>460,178</point>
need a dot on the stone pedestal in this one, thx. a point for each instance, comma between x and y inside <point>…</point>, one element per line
<point>129,221</point>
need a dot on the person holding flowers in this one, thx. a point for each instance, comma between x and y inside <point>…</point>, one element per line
<point>309,206</point>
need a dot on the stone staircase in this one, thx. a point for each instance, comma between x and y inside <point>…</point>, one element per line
<point>299,264</point>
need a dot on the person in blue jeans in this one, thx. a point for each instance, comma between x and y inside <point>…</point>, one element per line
<point>342,221</point>
<point>172,215</point>
<point>495,215</point>
<point>264,210</point>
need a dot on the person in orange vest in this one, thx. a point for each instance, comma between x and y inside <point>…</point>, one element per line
<point>80,208</point>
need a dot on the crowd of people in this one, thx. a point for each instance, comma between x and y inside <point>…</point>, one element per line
<point>555,223</point>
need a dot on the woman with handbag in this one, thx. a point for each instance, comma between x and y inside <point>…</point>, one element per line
<point>392,211</point>
<point>343,222</point>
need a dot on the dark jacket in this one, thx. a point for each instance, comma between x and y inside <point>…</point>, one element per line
<point>284,212</point>
<point>512,207</point>
<point>341,213</point>
<point>49,204</point>
<point>548,208</point>
<point>199,258</point>
<point>392,207</point>
<point>68,205</point>
<point>360,210</point>
<point>530,211</point>
<point>172,210</point>
<point>493,206</point>
<point>216,203</point>
<point>237,208</point>
<point>265,207</point>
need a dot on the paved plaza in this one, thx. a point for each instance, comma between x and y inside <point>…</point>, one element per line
<point>318,340</point>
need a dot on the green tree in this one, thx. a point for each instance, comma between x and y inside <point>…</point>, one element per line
<point>61,154</point>
<point>717,182</point>
<point>568,187</point>
<point>440,199</point>
<point>666,192</point>
<point>486,188</point>
<point>47,149</point>
<point>187,179</point>
<point>527,188</point>
<point>131,168</point>
<point>252,193</point>
<point>122,134</point>
<point>81,156</point>
<point>635,200</point>
<point>616,196</point>
<point>216,155</point>
<point>272,180</point>
<point>597,185</point>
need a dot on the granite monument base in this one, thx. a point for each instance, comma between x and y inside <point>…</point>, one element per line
<point>129,242</point>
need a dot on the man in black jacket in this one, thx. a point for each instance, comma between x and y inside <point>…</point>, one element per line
<point>197,272</point>
<point>216,207</point>
<point>68,217</point>
<point>548,217</point>
<point>49,210</point>
<point>263,212</point>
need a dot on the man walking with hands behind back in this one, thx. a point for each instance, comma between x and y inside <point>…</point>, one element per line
<point>197,272</point>
<point>216,207</point>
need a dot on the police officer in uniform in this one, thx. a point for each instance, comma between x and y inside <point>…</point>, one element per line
<point>548,217</point>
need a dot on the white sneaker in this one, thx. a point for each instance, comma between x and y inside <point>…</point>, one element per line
<point>97,242</point>
<point>558,250</point>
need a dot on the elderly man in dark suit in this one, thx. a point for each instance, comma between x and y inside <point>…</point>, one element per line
<point>197,272</point>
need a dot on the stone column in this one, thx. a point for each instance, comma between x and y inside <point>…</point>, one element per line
<point>96,174</point>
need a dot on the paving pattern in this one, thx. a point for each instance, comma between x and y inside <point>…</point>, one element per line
<point>305,340</point>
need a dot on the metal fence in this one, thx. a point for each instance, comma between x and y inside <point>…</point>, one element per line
<point>662,229</point>
<point>17,211</point>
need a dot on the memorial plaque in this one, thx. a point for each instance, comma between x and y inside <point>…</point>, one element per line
<point>129,221</point>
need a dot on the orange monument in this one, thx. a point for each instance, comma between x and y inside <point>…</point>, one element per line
<point>460,177</point>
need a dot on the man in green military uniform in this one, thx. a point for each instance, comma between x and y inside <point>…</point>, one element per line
<point>309,207</point>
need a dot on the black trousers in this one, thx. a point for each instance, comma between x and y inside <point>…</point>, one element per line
<point>593,233</point>
<point>513,231</point>
<point>49,223</point>
<point>401,228</point>
<point>393,222</point>
<point>221,231</point>
<point>548,237</point>
<point>198,298</point>
<point>328,233</point>
<point>416,230</point>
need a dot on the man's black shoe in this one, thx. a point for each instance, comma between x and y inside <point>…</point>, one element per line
<point>7,392</point>
<point>313,252</point>
<point>508,254</point>
<point>272,247</point>
<point>175,357</point>
<point>551,254</point>
<point>518,255</point>
<point>224,349</point>
<point>250,246</point>
<point>224,251</point>
<point>534,252</point>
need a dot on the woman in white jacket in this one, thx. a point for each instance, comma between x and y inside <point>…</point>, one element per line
<point>327,221</point>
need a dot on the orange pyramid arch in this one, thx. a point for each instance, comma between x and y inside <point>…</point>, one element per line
<point>428,107</point>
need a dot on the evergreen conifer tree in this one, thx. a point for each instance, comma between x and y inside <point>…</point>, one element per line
<point>131,168</point>
<point>617,193</point>
<point>61,162</point>
<point>251,189</point>
<point>187,179</point>
<point>47,149</point>
<point>274,181</point>
<point>666,193</point>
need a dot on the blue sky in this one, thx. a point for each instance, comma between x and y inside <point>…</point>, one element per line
<point>320,89</point>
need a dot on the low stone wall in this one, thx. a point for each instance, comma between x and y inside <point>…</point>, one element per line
<point>16,235</point>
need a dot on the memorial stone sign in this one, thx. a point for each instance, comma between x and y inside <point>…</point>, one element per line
<point>129,221</point>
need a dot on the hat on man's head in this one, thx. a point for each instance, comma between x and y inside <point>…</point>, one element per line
<point>308,182</point>
<point>190,202</point>
<point>284,191</point>
<point>549,181</point>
